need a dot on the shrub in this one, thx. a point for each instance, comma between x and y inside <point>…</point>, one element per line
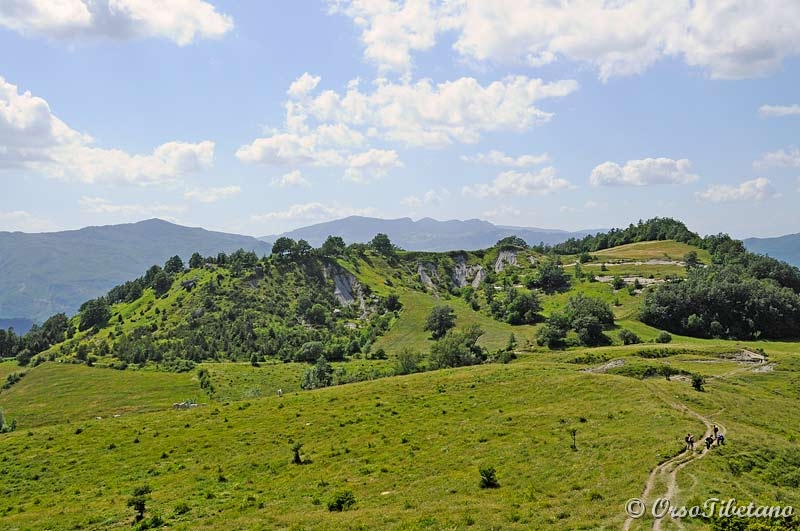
<point>342,501</point>
<point>407,361</point>
<point>628,338</point>
<point>697,382</point>
<point>488,478</point>
<point>663,337</point>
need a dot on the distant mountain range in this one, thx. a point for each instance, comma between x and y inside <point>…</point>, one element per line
<point>427,234</point>
<point>786,248</point>
<point>47,273</point>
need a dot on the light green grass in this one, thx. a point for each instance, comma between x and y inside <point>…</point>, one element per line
<point>655,250</point>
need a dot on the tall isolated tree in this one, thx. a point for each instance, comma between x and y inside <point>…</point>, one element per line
<point>334,246</point>
<point>382,244</point>
<point>174,265</point>
<point>440,320</point>
<point>196,261</point>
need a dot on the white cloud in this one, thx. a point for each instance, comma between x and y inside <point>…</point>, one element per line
<point>289,149</point>
<point>371,165</point>
<point>391,31</point>
<point>182,21</point>
<point>514,183</point>
<point>782,158</point>
<point>211,195</point>
<point>498,158</point>
<point>727,38</point>
<point>313,212</point>
<point>755,190</point>
<point>293,178</point>
<point>435,115</point>
<point>642,173</point>
<point>22,220</point>
<point>32,136</point>
<point>773,111</point>
<point>99,205</point>
<point>431,197</point>
<point>503,212</point>
<point>303,85</point>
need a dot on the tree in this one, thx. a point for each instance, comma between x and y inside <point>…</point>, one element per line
<point>691,261</point>
<point>407,361</point>
<point>440,320</point>
<point>382,244</point>
<point>317,315</point>
<point>333,246</point>
<point>393,303</point>
<point>320,375</point>
<point>550,276</point>
<point>628,338</point>
<point>196,261</point>
<point>523,308</point>
<point>583,306</point>
<point>161,283</point>
<point>458,349</point>
<point>283,246</point>
<point>174,265</point>
<point>512,241</point>
<point>95,313</point>
<point>310,351</point>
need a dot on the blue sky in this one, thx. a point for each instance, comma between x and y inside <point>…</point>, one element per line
<point>258,117</point>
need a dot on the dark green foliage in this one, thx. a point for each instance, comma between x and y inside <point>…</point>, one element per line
<point>283,246</point>
<point>173,265</point>
<point>342,500</point>
<point>195,261</point>
<point>320,375</point>
<point>457,349</point>
<point>587,316</point>
<point>488,478</point>
<point>6,427</point>
<point>440,320</point>
<point>663,337</point>
<point>161,283</point>
<point>617,282</point>
<point>333,247</point>
<point>697,382</point>
<point>522,307</point>
<point>512,241</point>
<point>94,314</point>
<point>628,338</point>
<point>383,245</point>
<point>139,500</point>
<point>310,352</point>
<point>13,378</point>
<point>296,459</point>
<point>393,303</point>
<point>691,261</point>
<point>550,276</point>
<point>582,306</point>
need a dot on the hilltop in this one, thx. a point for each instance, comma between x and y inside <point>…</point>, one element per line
<point>46,273</point>
<point>549,343</point>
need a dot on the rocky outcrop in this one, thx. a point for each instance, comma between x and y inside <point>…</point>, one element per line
<point>505,257</point>
<point>346,287</point>
<point>465,274</point>
<point>427,273</point>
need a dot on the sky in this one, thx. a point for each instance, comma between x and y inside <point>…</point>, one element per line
<point>259,117</point>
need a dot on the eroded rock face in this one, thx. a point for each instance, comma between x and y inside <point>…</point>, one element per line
<point>466,275</point>
<point>504,258</point>
<point>347,289</point>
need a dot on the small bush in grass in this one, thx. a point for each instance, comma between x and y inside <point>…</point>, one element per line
<point>182,508</point>
<point>663,337</point>
<point>139,500</point>
<point>697,382</point>
<point>342,501</point>
<point>628,338</point>
<point>488,478</point>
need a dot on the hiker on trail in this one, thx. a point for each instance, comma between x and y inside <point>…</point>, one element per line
<point>720,439</point>
<point>716,430</point>
<point>689,441</point>
<point>709,442</point>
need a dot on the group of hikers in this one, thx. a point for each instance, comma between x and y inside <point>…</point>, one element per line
<point>709,440</point>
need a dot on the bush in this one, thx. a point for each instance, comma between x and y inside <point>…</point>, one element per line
<point>407,361</point>
<point>697,382</point>
<point>342,501</point>
<point>488,478</point>
<point>628,338</point>
<point>663,337</point>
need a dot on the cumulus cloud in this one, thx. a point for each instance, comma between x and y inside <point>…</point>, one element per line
<point>726,38</point>
<point>99,205</point>
<point>774,111</point>
<point>211,195</point>
<point>313,212</point>
<point>515,183</point>
<point>22,220</point>
<point>31,136</point>
<point>293,178</point>
<point>755,190</point>
<point>643,172</point>
<point>303,85</point>
<point>431,197</point>
<point>498,158</point>
<point>182,21</point>
<point>371,165</point>
<point>780,158</point>
<point>430,114</point>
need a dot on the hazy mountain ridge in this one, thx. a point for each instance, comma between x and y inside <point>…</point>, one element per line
<point>786,248</point>
<point>46,273</point>
<point>427,234</point>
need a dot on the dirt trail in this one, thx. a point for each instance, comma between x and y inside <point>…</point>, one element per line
<point>666,473</point>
